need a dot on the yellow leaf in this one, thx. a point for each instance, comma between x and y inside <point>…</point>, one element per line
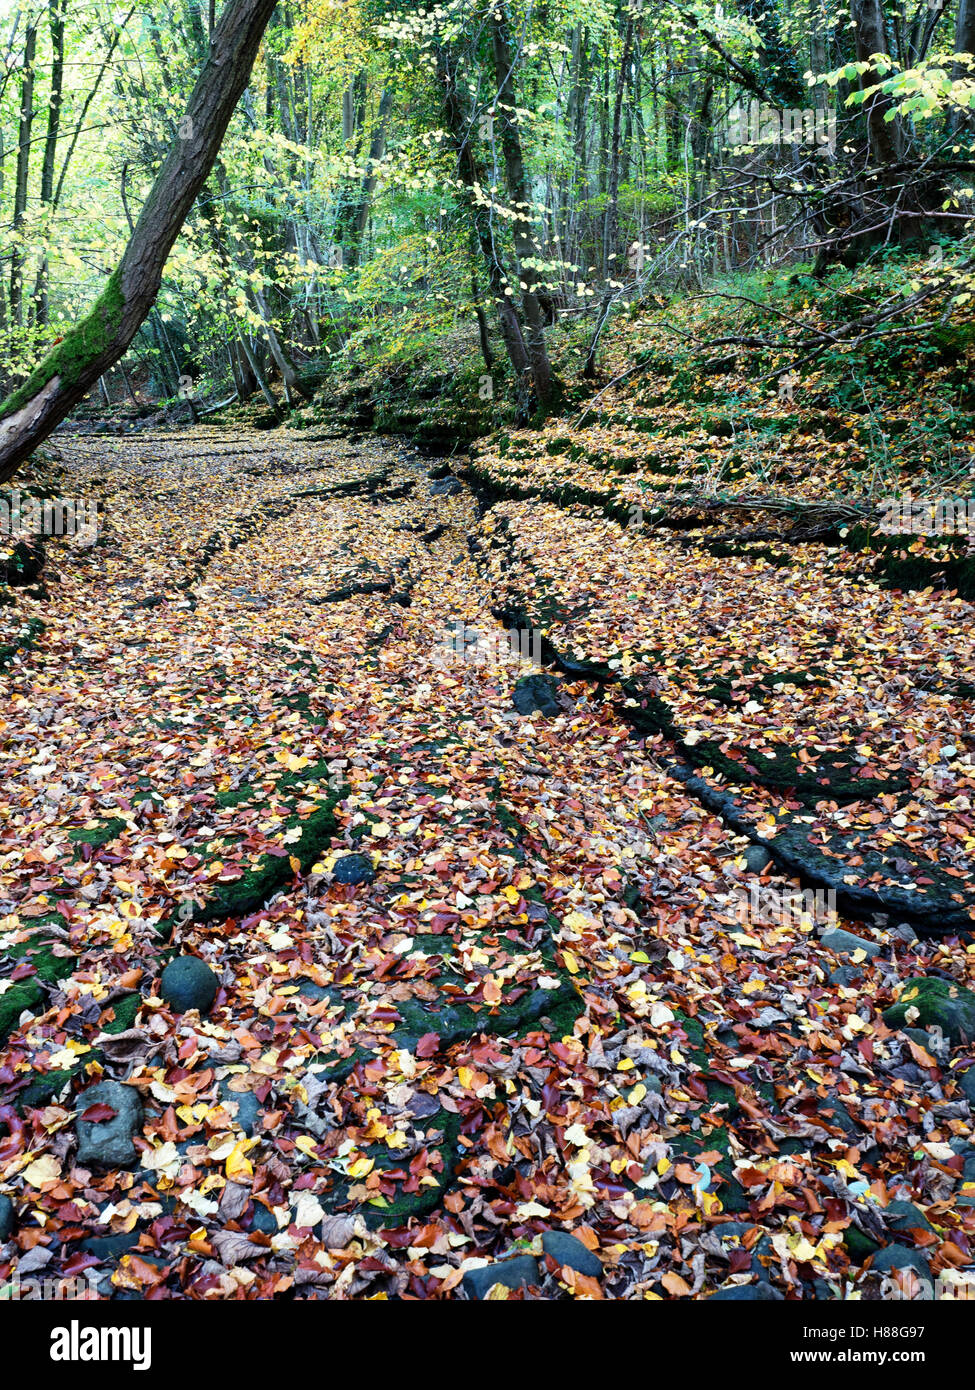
<point>238,1164</point>
<point>576,922</point>
<point>43,1170</point>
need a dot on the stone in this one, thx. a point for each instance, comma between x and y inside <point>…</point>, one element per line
<point>189,983</point>
<point>7,1214</point>
<point>968,1085</point>
<point>741,1293</point>
<point>248,1106</point>
<point>567,1249</point>
<point>536,694</point>
<point>845,943</point>
<point>900,1257</point>
<point>263,1220</point>
<point>845,975</point>
<point>905,1217</point>
<point>109,1142</point>
<point>308,989</point>
<point>513,1273</point>
<point>757,858</point>
<point>106,1248</point>
<point>938,1003</point>
<point>353,868</point>
<point>858,1245</point>
<point>449,487</point>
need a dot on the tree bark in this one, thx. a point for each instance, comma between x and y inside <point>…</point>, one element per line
<point>56,17</point>
<point>99,340</point>
<point>23,172</point>
<point>611,220</point>
<point>964,43</point>
<point>527,248</point>
<point>478,209</point>
<point>886,137</point>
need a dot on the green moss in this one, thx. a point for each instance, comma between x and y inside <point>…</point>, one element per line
<point>27,638</point>
<point>858,1246</point>
<point>81,345</point>
<point>396,1211</point>
<point>125,1012</point>
<point>44,1089</point>
<point>252,890</point>
<point>99,835</point>
<point>938,1003</point>
<point>27,995</point>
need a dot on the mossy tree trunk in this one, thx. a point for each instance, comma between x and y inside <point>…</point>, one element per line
<point>99,340</point>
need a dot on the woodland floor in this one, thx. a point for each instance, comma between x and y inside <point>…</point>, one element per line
<point>545,1012</point>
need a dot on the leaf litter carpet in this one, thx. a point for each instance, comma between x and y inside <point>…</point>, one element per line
<point>284,663</point>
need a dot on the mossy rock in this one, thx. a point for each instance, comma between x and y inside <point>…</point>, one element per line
<point>396,1208</point>
<point>858,1246</point>
<point>938,1003</point>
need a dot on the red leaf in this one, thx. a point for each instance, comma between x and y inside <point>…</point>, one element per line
<point>95,1114</point>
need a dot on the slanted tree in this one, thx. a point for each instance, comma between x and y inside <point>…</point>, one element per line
<point>99,340</point>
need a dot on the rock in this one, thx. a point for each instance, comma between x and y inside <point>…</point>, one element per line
<point>938,1003</point>
<point>189,983</point>
<point>7,1214</point>
<point>844,943</point>
<point>858,1245</point>
<point>900,1257</point>
<point>248,1106</point>
<point>845,975</point>
<point>740,1293</point>
<point>567,1249</point>
<point>536,694</point>
<point>109,1142</point>
<point>106,1248</point>
<point>353,868</point>
<point>513,1273</point>
<point>307,989</point>
<point>263,1220</point>
<point>968,1085</point>
<point>757,858</point>
<point>917,1035</point>
<point>905,1216</point>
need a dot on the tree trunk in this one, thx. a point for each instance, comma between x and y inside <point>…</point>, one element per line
<point>964,43</point>
<point>23,171</point>
<point>886,137</point>
<point>56,12</point>
<point>611,220</point>
<point>478,209</point>
<point>99,340</point>
<point>527,248</point>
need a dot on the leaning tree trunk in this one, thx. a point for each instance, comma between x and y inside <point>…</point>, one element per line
<point>99,340</point>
